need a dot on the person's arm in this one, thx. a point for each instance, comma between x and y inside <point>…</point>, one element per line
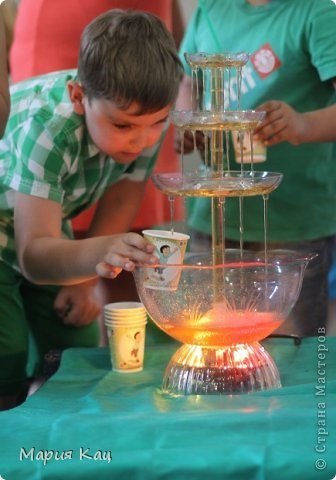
<point>4,86</point>
<point>117,208</point>
<point>114,214</point>
<point>283,123</point>
<point>46,257</point>
<point>178,22</point>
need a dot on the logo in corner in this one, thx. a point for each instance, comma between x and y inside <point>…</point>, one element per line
<point>1,477</point>
<point>2,1</point>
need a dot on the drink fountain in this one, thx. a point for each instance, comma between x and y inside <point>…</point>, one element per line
<point>228,300</point>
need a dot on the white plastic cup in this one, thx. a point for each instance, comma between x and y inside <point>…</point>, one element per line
<point>243,153</point>
<point>170,248</point>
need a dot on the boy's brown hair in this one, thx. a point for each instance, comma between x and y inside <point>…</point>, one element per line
<point>129,56</point>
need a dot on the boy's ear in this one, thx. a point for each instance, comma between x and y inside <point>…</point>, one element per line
<point>76,94</point>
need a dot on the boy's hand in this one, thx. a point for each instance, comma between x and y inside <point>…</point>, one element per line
<point>282,123</point>
<point>123,253</point>
<point>77,305</point>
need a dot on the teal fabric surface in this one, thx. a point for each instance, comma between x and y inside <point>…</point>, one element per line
<point>134,431</point>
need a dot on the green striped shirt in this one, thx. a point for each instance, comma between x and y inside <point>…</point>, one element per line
<point>47,152</point>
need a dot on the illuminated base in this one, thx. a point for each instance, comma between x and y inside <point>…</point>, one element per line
<point>243,368</point>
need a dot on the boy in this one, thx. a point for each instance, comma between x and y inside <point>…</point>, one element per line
<point>73,138</point>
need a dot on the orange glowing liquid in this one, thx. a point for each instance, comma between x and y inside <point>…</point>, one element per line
<point>234,327</point>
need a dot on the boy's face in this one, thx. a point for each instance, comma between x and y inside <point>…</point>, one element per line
<point>121,134</point>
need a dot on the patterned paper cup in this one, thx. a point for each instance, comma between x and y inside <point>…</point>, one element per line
<point>170,248</point>
<point>243,152</point>
<point>125,323</point>
<point>127,347</point>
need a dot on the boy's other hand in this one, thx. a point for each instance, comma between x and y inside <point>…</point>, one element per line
<point>124,252</point>
<point>77,305</point>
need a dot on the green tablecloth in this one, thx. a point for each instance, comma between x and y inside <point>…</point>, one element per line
<point>134,431</point>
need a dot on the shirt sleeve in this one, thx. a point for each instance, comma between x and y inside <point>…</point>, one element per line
<point>37,163</point>
<point>321,35</point>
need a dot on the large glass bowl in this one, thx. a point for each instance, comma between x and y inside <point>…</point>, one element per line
<point>219,313</point>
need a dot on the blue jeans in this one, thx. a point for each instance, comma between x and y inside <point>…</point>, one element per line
<point>310,312</point>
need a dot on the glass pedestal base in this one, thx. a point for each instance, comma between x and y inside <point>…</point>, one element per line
<point>241,368</point>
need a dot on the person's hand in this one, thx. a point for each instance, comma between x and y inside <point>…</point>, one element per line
<point>77,305</point>
<point>124,252</point>
<point>282,123</point>
<point>188,141</point>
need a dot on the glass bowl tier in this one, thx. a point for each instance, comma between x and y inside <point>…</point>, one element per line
<point>216,60</point>
<point>208,120</point>
<point>227,184</point>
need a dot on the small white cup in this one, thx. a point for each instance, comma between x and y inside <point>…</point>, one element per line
<point>170,248</point>
<point>243,153</point>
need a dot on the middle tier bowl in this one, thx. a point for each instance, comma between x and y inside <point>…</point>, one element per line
<point>243,120</point>
<point>227,184</point>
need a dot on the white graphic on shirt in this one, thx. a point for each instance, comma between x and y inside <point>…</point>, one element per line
<point>248,83</point>
<point>264,61</point>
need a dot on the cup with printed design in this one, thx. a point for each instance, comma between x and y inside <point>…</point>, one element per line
<point>170,248</point>
<point>126,330</point>
<point>243,145</point>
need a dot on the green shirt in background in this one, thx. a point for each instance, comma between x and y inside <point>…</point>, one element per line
<point>293,59</point>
